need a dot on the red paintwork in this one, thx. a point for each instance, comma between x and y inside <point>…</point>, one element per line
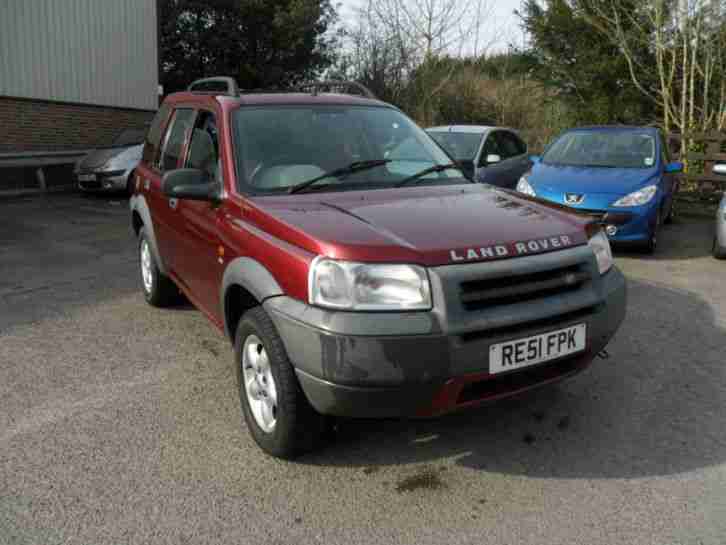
<point>284,233</point>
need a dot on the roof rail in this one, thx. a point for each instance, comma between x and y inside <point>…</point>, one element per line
<point>215,86</point>
<point>340,86</point>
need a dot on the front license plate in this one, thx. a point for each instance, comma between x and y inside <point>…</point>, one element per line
<point>540,348</point>
<point>86,177</point>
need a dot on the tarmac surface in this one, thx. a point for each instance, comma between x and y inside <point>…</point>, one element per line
<point>120,423</point>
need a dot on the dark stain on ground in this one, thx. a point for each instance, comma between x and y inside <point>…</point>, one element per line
<point>371,470</point>
<point>210,347</point>
<point>528,438</point>
<point>426,480</point>
<point>539,416</point>
<point>564,423</point>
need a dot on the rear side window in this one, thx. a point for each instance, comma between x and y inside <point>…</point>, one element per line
<point>179,127</point>
<point>509,145</point>
<point>491,147</point>
<point>153,136</point>
<point>519,143</point>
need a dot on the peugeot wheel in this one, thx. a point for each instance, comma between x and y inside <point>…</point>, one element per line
<point>652,244</point>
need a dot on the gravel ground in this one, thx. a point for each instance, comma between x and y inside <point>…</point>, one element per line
<point>120,423</point>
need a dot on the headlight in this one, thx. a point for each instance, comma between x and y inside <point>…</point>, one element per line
<point>601,246</point>
<point>523,186</point>
<point>638,198</point>
<point>347,285</point>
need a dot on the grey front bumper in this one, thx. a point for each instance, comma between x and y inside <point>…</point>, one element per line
<point>389,365</point>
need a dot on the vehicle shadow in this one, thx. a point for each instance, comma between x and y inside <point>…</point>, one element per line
<point>685,238</point>
<point>656,407</point>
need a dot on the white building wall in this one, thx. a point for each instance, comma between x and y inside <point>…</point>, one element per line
<point>101,52</point>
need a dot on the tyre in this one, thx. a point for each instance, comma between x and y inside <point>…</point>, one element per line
<point>652,244</point>
<point>159,290</point>
<point>130,185</point>
<point>670,218</point>
<point>278,415</point>
<point>718,251</point>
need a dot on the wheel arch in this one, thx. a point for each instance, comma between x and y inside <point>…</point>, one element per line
<point>141,217</point>
<point>246,283</point>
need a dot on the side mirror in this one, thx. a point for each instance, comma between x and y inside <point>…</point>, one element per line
<point>493,159</point>
<point>719,168</point>
<point>467,167</point>
<point>674,168</point>
<point>535,158</point>
<point>189,183</point>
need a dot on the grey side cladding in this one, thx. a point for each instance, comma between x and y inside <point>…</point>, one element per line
<point>137,204</point>
<point>253,277</point>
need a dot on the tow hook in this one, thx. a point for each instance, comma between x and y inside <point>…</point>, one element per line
<point>604,354</point>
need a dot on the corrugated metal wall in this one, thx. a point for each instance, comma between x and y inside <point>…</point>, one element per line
<point>90,51</point>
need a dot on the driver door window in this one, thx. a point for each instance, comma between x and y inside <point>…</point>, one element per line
<point>204,148</point>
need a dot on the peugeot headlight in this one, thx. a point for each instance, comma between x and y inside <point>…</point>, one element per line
<point>523,186</point>
<point>638,198</point>
<point>601,246</point>
<point>347,285</point>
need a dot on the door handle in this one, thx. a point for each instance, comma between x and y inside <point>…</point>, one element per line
<point>172,203</point>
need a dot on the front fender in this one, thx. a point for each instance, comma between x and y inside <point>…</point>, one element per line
<point>251,275</point>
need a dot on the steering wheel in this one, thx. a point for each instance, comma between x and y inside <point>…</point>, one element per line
<point>283,158</point>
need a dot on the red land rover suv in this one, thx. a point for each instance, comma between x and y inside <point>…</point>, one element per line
<point>355,269</point>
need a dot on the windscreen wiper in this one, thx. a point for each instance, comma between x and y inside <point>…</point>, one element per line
<point>350,169</point>
<point>424,172</point>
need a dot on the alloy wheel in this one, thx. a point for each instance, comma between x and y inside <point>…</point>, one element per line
<point>259,384</point>
<point>146,267</point>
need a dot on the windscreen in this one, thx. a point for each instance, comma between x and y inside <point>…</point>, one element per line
<point>277,147</point>
<point>461,146</point>
<point>609,149</point>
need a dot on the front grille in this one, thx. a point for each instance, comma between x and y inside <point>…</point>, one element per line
<point>485,293</point>
<point>518,380</point>
<point>95,184</point>
<point>595,214</point>
<point>614,218</point>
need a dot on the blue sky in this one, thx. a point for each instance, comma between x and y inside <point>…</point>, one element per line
<point>502,28</point>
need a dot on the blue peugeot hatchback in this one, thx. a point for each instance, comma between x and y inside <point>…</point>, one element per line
<point>623,174</point>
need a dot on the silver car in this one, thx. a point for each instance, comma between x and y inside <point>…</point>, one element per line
<point>495,155</point>
<point>110,169</point>
<point>719,239</point>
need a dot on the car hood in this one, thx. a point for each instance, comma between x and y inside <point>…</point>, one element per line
<point>426,225</point>
<point>116,155</point>
<point>610,181</point>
